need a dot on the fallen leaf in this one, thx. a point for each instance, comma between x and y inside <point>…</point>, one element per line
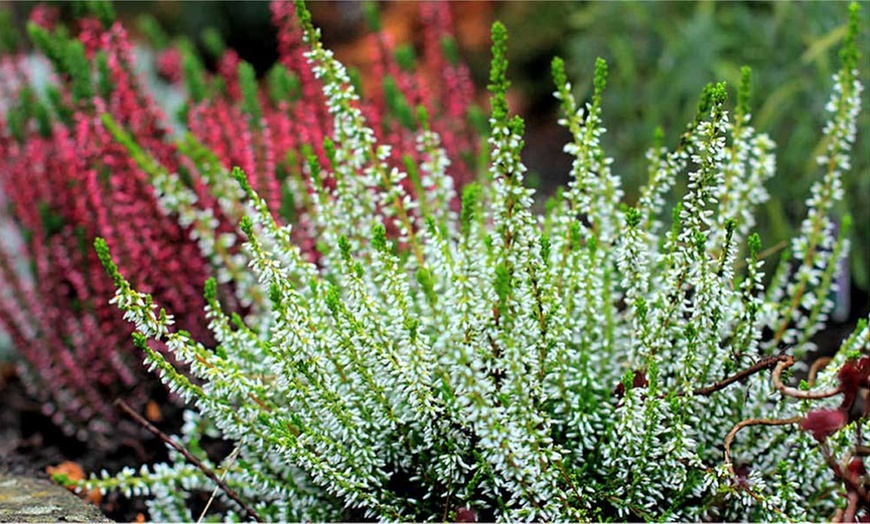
<point>67,472</point>
<point>152,411</point>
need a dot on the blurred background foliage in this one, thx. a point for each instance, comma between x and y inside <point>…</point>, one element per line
<point>661,54</point>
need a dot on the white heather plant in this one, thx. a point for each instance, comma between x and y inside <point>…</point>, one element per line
<point>493,364</point>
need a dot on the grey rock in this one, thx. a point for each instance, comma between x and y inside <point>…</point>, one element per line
<point>26,499</point>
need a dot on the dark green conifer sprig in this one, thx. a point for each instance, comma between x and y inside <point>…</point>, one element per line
<point>250,92</point>
<point>102,10</point>
<point>744,92</point>
<point>153,31</point>
<point>10,39</point>
<point>498,82</point>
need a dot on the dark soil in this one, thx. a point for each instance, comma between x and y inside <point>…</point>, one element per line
<point>30,442</point>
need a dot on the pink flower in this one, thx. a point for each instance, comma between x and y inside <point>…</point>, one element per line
<point>44,16</point>
<point>169,65</point>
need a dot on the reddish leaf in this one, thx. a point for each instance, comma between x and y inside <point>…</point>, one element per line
<point>854,380</point>
<point>856,469</point>
<point>823,423</point>
<point>464,514</point>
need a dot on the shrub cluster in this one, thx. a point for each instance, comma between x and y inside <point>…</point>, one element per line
<point>409,346</point>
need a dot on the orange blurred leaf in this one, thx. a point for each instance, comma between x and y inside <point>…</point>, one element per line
<point>67,472</point>
<point>152,411</point>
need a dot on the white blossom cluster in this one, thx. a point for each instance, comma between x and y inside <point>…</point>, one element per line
<point>559,367</point>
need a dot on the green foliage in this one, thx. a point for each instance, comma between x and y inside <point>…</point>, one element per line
<point>449,48</point>
<point>470,202</point>
<point>372,16</point>
<point>498,82</point>
<point>250,92</point>
<point>77,66</point>
<point>663,53</point>
<point>104,76</point>
<point>744,92</point>
<point>193,71</point>
<point>61,109</point>
<point>102,10</point>
<point>153,31</point>
<point>48,44</point>
<point>397,103</point>
<point>405,57</point>
<point>9,37</point>
<point>52,223</point>
<point>282,84</point>
<point>213,42</point>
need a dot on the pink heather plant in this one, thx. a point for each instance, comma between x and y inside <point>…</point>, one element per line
<point>92,159</point>
<point>261,142</point>
<point>66,182</point>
